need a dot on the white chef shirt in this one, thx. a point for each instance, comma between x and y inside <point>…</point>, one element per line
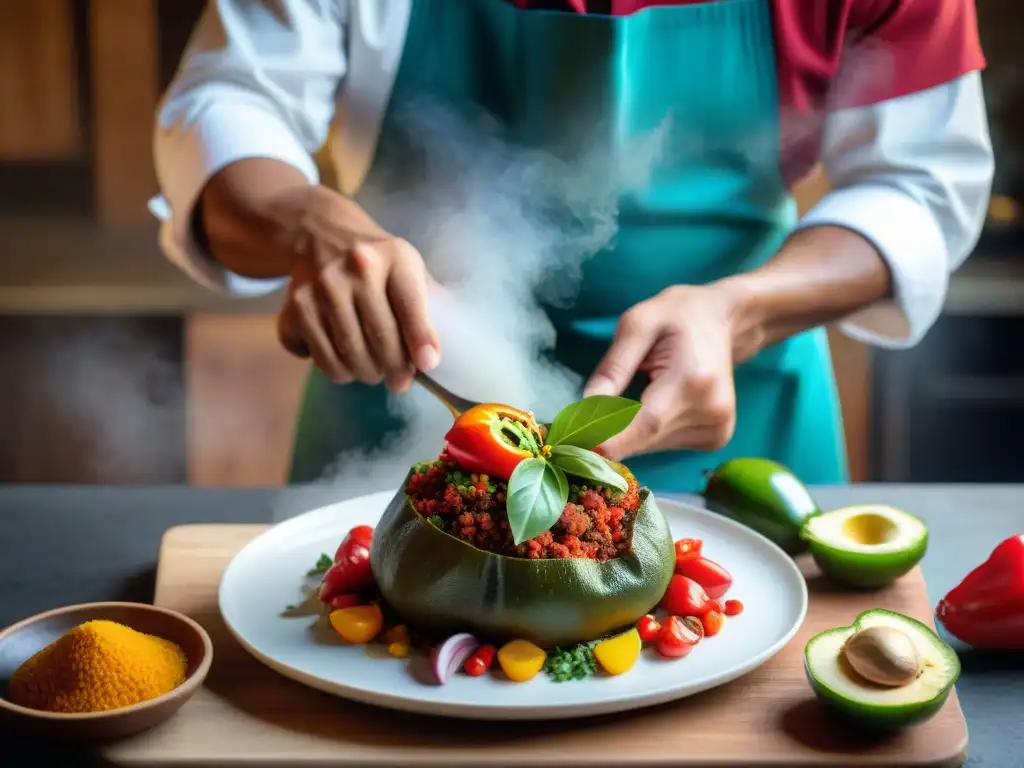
<point>911,174</point>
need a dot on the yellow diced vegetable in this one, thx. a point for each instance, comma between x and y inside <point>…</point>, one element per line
<point>521,660</point>
<point>618,654</point>
<point>399,649</point>
<point>359,624</point>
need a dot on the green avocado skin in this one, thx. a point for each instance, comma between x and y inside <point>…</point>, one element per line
<point>441,584</point>
<point>763,495</point>
<point>874,717</point>
<point>863,570</point>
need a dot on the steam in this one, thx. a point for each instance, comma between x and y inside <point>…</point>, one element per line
<point>503,228</point>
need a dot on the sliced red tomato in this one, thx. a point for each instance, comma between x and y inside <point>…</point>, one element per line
<point>685,597</point>
<point>676,639</point>
<point>361,534</point>
<point>695,625</point>
<point>648,628</point>
<point>709,574</point>
<point>687,548</point>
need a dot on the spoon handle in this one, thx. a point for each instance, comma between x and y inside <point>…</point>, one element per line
<point>457,405</point>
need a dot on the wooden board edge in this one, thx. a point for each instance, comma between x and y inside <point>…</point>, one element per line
<point>171,536</point>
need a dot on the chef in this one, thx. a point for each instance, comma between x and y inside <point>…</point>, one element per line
<point>711,301</point>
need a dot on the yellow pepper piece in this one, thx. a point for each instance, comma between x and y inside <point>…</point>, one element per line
<point>358,624</point>
<point>396,634</point>
<point>399,649</point>
<point>618,654</point>
<point>521,660</point>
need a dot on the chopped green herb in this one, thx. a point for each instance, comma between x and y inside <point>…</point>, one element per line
<point>437,521</point>
<point>576,663</point>
<point>322,565</point>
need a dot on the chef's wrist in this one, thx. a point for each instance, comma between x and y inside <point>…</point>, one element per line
<point>744,313</point>
<point>820,275</point>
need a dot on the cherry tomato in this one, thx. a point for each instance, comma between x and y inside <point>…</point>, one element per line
<point>350,573</point>
<point>685,597</point>
<point>687,548</point>
<point>345,600</point>
<point>713,622</point>
<point>733,607</point>
<point>695,625</point>
<point>709,574</point>
<point>648,628</point>
<point>480,661</point>
<point>361,534</point>
<point>676,639</point>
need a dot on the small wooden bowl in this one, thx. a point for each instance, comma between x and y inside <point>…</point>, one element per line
<point>20,641</point>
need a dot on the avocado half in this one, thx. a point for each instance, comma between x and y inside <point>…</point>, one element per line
<point>866,546</point>
<point>441,584</point>
<point>874,706</point>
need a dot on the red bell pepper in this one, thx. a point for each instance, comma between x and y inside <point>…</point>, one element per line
<point>986,609</point>
<point>492,439</point>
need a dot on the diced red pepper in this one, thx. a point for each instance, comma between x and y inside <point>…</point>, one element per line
<point>733,608</point>
<point>480,660</point>
<point>487,439</point>
<point>345,600</point>
<point>361,534</point>
<point>986,609</point>
<point>709,574</point>
<point>685,597</point>
<point>351,571</point>
<point>688,548</point>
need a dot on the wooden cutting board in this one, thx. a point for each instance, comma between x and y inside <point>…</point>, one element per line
<point>247,714</point>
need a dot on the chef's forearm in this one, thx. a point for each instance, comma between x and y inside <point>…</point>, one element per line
<point>250,216</point>
<point>820,275</point>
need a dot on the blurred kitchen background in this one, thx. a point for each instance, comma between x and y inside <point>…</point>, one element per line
<point>115,368</point>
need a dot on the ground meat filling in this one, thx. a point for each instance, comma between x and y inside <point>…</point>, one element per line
<point>596,522</point>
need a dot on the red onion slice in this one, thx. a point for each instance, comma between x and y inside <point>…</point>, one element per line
<point>448,656</point>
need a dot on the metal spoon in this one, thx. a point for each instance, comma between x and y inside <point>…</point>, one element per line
<point>457,405</point>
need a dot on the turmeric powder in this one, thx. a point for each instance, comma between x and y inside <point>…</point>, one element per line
<point>98,665</point>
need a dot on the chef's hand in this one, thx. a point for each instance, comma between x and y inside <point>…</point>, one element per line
<point>357,299</point>
<point>683,339</point>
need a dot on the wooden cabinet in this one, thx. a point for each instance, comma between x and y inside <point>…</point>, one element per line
<point>242,393</point>
<point>39,93</point>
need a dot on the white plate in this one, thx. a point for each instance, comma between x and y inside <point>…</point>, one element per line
<point>268,573</point>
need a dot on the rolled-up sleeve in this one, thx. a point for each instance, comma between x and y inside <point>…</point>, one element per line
<point>258,79</point>
<point>913,176</point>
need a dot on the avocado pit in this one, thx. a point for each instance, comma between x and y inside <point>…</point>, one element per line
<point>883,655</point>
<point>885,671</point>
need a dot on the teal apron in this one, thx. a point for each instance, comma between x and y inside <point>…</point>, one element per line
<point>715,205</point>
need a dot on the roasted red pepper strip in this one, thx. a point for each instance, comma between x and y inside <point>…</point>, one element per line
<point>986,609</point>
<point>487,439</point>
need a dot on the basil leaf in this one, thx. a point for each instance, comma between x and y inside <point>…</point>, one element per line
<point>537,494</point>
<point>592,420</point>
<point>588,465</point>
